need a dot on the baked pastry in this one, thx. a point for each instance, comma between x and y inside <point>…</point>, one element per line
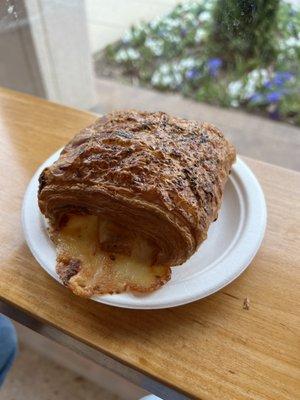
<point>131,196</point>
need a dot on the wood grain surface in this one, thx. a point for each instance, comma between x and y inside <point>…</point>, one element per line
<point>212,349</point>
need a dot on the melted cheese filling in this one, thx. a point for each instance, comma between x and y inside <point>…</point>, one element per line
<point>94,257</point>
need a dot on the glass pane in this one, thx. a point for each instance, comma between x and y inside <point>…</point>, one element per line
<point>233,63</point>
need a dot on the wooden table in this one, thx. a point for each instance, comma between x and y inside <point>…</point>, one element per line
<point>211,349</point>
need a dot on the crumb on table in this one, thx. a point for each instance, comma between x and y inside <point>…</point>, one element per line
<point>246,304</point>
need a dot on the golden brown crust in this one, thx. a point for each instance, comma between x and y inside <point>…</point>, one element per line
<point>159,175</point>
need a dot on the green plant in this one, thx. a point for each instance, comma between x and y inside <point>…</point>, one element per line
<point>233,53</point>
<point>246,29</point>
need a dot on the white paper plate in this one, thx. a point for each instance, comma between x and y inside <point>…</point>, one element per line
<point>232,242</point>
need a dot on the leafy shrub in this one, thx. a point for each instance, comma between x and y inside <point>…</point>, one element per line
<point>248,58</point>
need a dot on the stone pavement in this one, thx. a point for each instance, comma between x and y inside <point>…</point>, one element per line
<point>45,370</point>
<point>35,377</point>
<point>253,136</point>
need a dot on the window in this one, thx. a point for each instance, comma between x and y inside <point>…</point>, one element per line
<point>232,63</point>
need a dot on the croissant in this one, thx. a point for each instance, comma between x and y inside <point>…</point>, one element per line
<point>131,196</point>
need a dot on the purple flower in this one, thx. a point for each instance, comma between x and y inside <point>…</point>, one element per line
<point>273,97</point>
<point>192,73</point>
<point>256,98</point>
<point>274,114</point>
<point>281,77</point>
<point>214,64</point>
<point>183,32</point>
<point>268,84</point>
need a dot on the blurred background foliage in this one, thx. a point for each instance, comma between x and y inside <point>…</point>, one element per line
<point>230,53</point>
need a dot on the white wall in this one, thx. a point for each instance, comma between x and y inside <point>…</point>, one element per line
<point>107,20</point>
<point>60,35</point>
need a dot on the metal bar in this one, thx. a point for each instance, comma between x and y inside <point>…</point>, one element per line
<point>105,361</point>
